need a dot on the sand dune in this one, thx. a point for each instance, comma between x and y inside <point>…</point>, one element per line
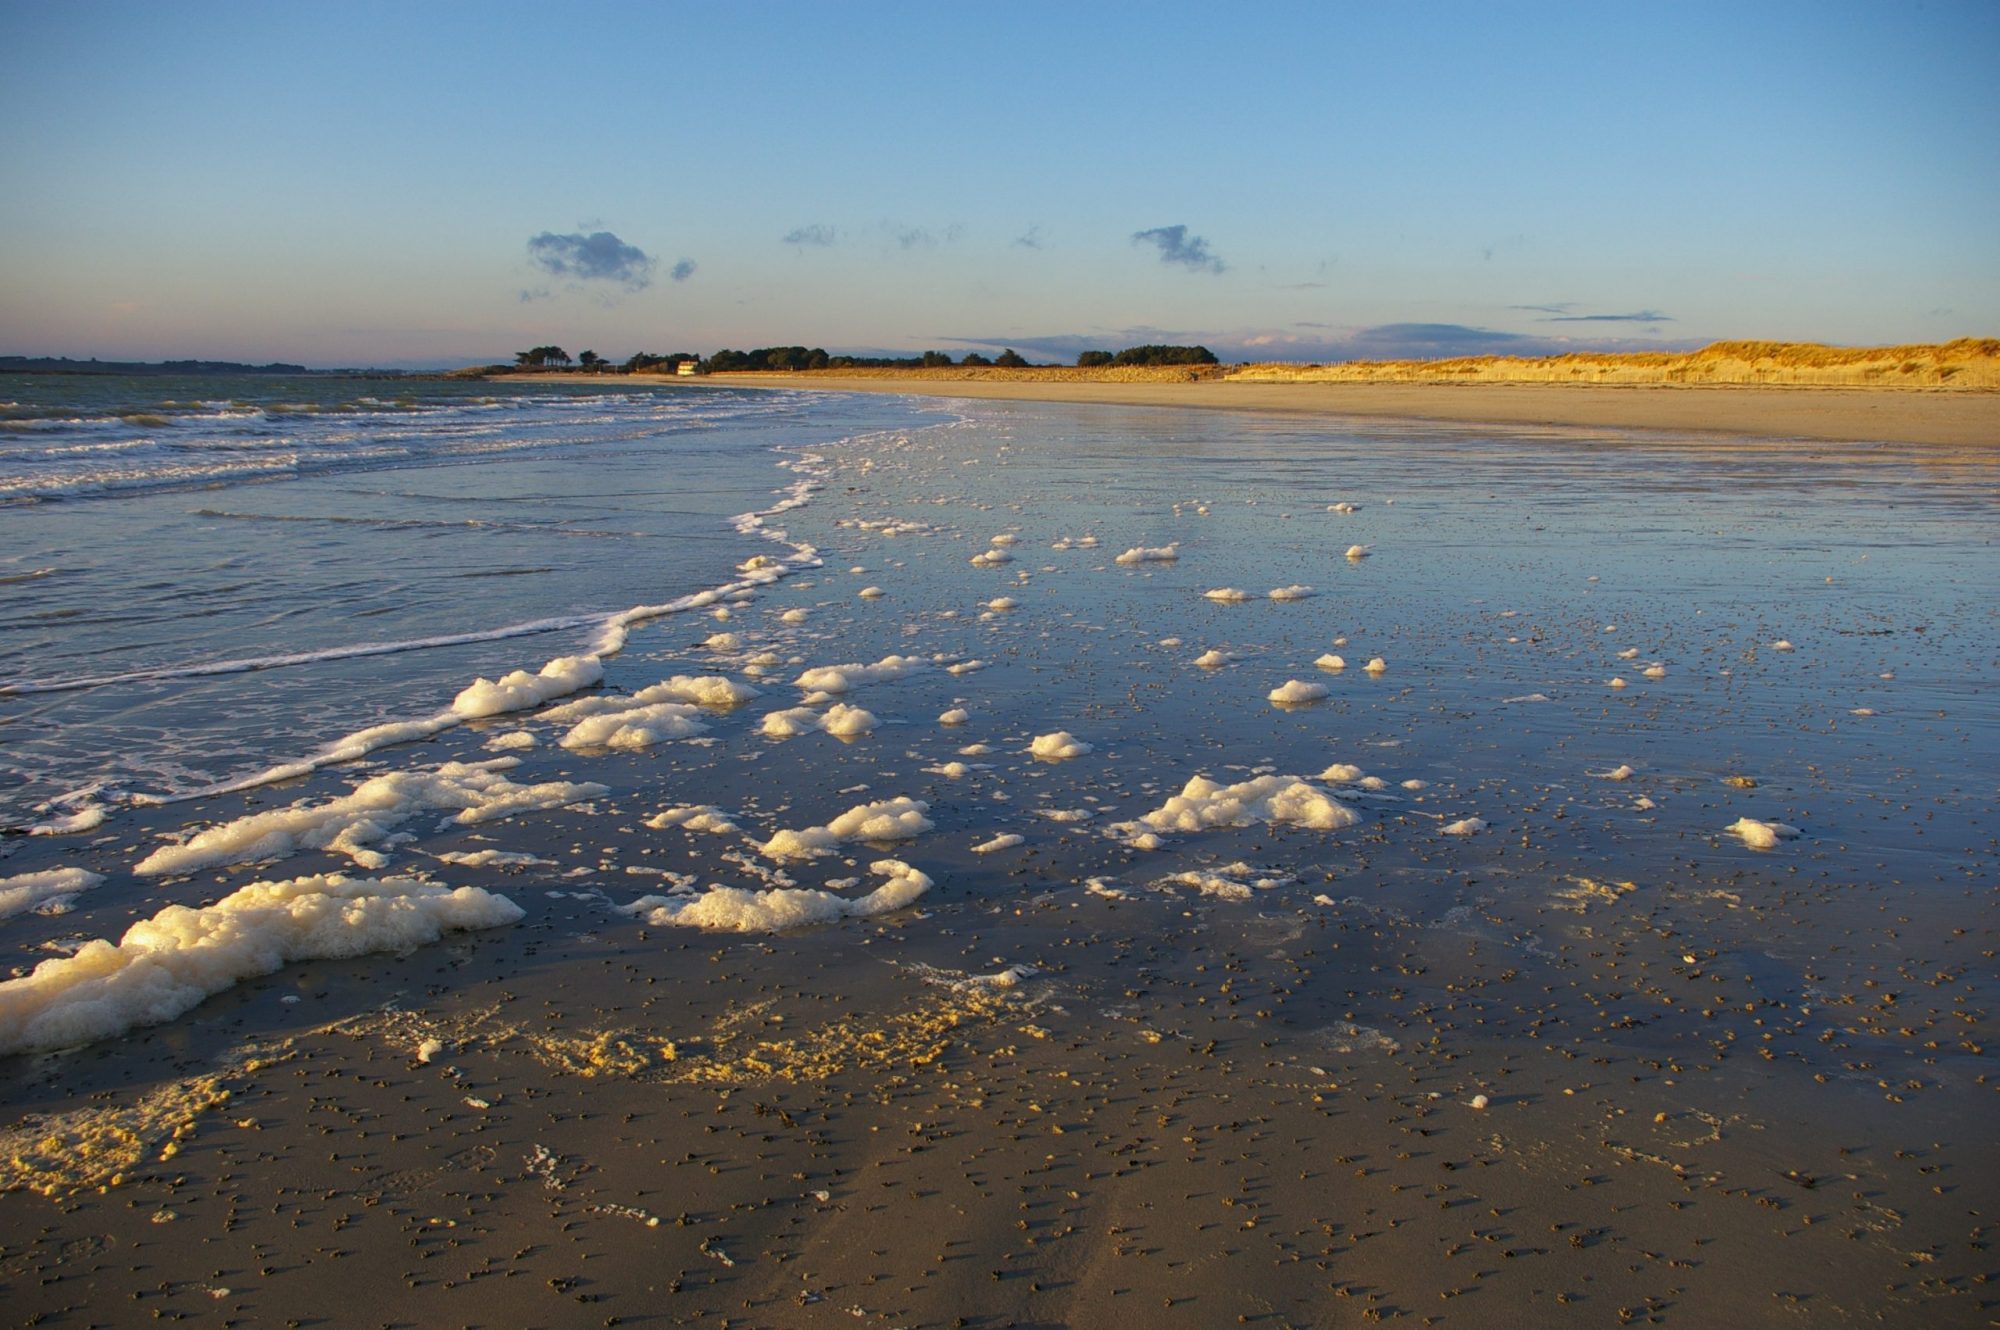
<point>1966,363</point>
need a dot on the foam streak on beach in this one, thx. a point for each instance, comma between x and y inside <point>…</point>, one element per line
<point>624,855</point>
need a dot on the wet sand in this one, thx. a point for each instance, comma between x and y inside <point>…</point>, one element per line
<point>1602,1065</point>
<point>1946,418</point>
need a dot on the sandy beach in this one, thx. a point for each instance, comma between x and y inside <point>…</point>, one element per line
<point>1136,867</point>
<point>1944,418</point>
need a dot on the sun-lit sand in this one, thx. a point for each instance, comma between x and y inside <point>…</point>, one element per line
<point>1948,395</point>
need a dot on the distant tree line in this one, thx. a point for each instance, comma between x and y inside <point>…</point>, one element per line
<point>1148,355</point>
<point>799,357</point>
<point>728,361</point>
<point>647,363</point>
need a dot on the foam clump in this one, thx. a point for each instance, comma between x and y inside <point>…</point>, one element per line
<point>1148,554</point>
<point>741,910</point>
<point>48,891</point>
<point>1296,692</point>
<point>885,820</point>
<point>1376,665</point>
<point>1001,604</point>
<point>1234,882</point>
<point>840,720</point>
<point>790,723</point>
<point>1761,835</point>
<point>520,690</point>
<point>166,964</point>
<point>1469,826</point>
<point>1342,773</point>
<point>1203,804</point>
<point>635,728</point>
<point>491,859</point>
<point>1291,592</point>
<point>1331,662</point>
<point>992,558</point>
<point>694,817</point>
<point>1214,659</point>
<point>847,722</point>
<point>1227,594</point>
<point>1005,841</point>
<point>1358,551</point>
<point>1058,746</point>
<point>84,819</point>
<point>368,814</point>
<point>703,690</point>
<point>841,678</point>
<point>955,716</point>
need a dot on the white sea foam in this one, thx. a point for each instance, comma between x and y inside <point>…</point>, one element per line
<point>521,690</point>
<point>840,720</point>
<point>1058,747</point>
<point>740,910</point>
<point>1470,826</point>
<point>885,820</point>
<point>1761,835</point>
<point>1291,593</point>
<point>475,791</point>
<point>492,859</point>
<point>1228,595</point>
<point>48,891</point>
<point>694,817</point>
<point>1296,692</point>
<point>1236,882</point>
<point>1203,804</point>
<point>841,678</point>
<point>1004,841</point>
<point>636,728</point>
<point>1148,554</point>
<point>166,964</point>
<point>1331,663</point>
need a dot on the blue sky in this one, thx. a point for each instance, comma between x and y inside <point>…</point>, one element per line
<point>433,184</point>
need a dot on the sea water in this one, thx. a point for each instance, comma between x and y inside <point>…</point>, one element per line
<point>981,679</point>
<point>204,577</point>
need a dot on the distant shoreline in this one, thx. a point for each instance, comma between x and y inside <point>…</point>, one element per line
<point>1953,418</point>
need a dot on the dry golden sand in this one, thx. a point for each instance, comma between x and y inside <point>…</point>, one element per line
<point>1946,395</point>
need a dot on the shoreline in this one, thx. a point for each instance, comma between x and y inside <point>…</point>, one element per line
<point>1939,418</point>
